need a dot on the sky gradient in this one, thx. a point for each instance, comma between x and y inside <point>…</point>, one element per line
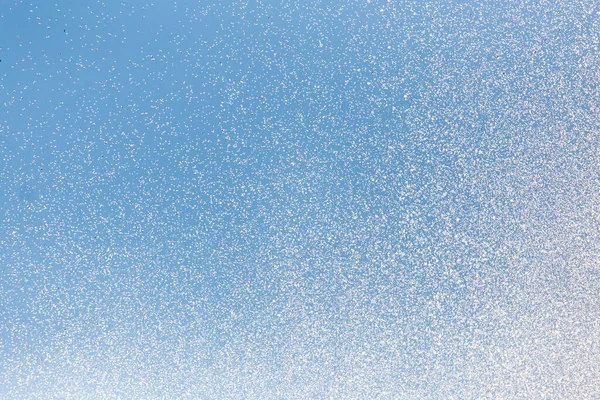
<point>299,200</point>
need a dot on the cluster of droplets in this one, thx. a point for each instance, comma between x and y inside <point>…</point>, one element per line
<point>299,200</point>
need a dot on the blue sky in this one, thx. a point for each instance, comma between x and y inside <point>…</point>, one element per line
<point>373,199</point>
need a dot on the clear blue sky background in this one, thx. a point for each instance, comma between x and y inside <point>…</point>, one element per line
<point>370,199</point>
